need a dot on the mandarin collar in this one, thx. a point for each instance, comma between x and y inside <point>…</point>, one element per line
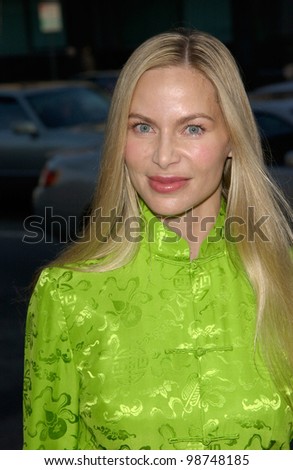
<point>164,242</point>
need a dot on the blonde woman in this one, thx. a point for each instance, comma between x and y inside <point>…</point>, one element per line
<point>169,324</point>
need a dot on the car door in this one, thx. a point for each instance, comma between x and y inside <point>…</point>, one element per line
<point>22,152</point>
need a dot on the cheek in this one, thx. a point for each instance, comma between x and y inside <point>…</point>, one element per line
<point>132,153</point>
<point>210,157</point>
<point>128,152</point>
<point>135,154</point>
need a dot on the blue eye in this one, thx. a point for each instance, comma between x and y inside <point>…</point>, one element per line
<point>143,128</point>
<point>194,130</point>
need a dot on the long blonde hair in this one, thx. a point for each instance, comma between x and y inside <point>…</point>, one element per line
<point>245,184</point>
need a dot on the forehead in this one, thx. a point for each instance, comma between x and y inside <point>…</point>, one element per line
<point>173,84</point>
<point>174,79</point>
<point>182,72</point>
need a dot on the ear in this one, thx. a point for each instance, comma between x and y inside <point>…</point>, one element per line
<point>230,155</point>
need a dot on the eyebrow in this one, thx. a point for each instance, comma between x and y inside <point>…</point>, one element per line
<point>182,120</point>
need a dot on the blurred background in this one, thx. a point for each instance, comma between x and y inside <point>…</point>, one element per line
<point>55,39</point>
<point>59,62</point>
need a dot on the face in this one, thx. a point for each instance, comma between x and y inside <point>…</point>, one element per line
<point>177,142</point>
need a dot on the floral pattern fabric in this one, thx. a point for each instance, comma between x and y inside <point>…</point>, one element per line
<point>158,354</point>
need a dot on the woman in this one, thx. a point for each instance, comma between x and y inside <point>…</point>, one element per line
<point>169,325</point>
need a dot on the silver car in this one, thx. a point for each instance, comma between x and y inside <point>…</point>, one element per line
<point>39,120</point>
<point>279,90</point>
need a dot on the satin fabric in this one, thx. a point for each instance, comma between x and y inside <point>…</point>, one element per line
<point>158,354</point>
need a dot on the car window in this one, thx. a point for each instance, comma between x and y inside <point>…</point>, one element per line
<point>11,112</point>
<point>272,125</point>
<point>70,107</point>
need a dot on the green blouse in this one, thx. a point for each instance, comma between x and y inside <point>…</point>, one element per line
<point>158,354</point>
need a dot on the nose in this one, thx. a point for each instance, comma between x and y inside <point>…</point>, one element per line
<point>165,152</point>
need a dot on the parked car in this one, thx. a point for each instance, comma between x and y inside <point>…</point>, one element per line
<point>275,122</point>
<point>279,90</point>
<point>63,196</point>
<point>38,120</point>
<point>61,200</point>
<point>105,79</point>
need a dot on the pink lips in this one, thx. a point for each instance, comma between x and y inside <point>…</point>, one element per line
<point>167,184</point>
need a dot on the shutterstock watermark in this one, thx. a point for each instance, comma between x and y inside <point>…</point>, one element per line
<point>54,228</point>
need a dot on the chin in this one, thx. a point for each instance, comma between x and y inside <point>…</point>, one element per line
<point>167,210</point>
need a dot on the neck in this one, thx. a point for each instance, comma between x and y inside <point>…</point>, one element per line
<point>193,226</point>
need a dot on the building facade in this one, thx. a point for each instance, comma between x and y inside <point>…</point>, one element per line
<point>46,39</point>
